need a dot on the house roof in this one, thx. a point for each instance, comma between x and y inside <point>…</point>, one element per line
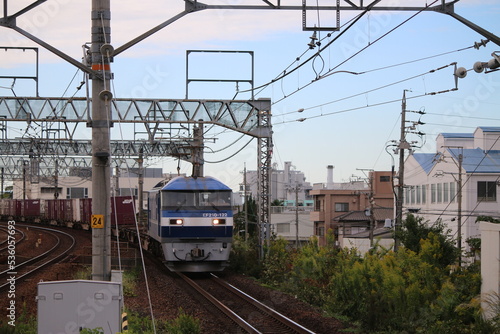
<point>425,160</point>
<point>490,128</point>
<point>474,160</point>
<point>381,214</point>
<point>457,135</point>
<point>478,161</point>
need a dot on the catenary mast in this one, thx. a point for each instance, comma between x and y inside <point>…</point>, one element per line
<point>101,52</point>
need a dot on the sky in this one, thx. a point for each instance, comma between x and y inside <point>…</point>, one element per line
<point>349,117</point>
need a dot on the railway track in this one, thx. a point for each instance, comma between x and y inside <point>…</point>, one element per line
<point>4,239</point>
<point>63,243</point>
<point>246,312</point>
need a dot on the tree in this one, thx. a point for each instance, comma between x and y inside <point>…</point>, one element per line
<point>239,218</point>
<point>414,231</point>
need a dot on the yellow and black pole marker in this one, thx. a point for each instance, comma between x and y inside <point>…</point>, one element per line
<point>124,323</point>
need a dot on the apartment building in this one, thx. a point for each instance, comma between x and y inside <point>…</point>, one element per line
<point>334,200</point>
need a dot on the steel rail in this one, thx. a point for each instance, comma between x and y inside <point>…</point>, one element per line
<point>17,239</point>
<point>273,313</point>
<point>223,308</point>
<point>41,256</point>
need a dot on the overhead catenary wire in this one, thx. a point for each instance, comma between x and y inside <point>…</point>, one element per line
<point>369,91</point>
<point>286,73</point>
<point>330,71</point>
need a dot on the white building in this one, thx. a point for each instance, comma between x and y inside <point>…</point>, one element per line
<point>432,180</point>
<point>284,184</point>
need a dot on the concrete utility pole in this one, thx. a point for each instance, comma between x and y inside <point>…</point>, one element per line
<point>459,218</point>
<point>198,159</point>
<point>56,181</point>
<point>403,144</point>
<point>246,199</point>
<point>101,52</point>
<point>297,188</point>
<point>372,207</point>
<point>140,161</point>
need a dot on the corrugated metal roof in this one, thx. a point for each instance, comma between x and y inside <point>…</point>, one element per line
<point>490,128</point>
<point>457,135</point>
<point>425,160</point>
<point>477,160</point>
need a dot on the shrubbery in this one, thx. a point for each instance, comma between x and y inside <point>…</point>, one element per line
<point>418,289</point>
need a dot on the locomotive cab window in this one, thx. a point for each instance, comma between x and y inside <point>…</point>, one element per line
<point>196,200</point>
<point>218,199</point>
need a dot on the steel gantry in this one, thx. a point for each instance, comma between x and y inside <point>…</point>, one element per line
<point>51,127</point>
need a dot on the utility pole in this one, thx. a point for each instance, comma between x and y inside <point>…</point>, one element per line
<point>140,161</point>
<point>297,215</point>
<point>56,180</point>
<point>24,178</point>
<point>245,199</point>
<point>403,144</point>
<point>372,216</point>
<point>460,159</point>
<point>197,154</point>
<point>459,218</point>
<point>101,53</point>
<point>117,181</point>
<point>296,189</point>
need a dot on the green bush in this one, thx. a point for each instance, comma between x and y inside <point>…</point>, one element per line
<point>184,324</point>
<point>244,257</point>
<point>418,289</point>
<point>277,263</point>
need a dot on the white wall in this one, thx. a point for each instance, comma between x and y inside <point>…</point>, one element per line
<point>490,264</point>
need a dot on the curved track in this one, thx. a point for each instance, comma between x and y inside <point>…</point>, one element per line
<point>4,243</point>
<point>63,244</point>
<point>246,312</point>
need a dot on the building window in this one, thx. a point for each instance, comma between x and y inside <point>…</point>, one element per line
<point>283,228</point>
<point>50,190</point>
<point>319,228</point>
<point>419,195</point>
<point>453,192</point>
<point>439,192</point>
<point>487,191</point>
<point>341,207</point>
<point>433,193</point>
<point>445,192</point>
<point>77,193</point>
<point>128,192</point>
<point>385,178</point>
<point>424,193</point>
<point>318,205</point>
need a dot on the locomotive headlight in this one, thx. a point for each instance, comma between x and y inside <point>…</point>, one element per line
<point>218,221</point>
<point>176,222</point>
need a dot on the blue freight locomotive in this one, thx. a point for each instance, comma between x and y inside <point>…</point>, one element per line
<point>192,219</point>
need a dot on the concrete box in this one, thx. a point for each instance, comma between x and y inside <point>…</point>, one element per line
<point>69,306</point>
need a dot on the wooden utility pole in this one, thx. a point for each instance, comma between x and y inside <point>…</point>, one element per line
<point>101,53</point>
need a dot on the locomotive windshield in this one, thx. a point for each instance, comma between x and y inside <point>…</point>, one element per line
<point>196,200</point>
